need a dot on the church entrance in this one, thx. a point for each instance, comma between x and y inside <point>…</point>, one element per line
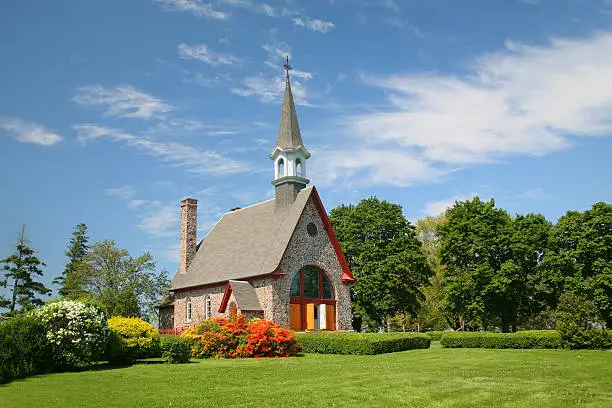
<point>312,304</point>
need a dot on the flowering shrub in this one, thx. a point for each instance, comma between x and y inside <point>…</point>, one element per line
<point>236,338</point>
<point>131,338</point>
<point>75,332</point>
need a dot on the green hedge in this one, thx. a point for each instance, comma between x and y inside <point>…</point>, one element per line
<point>24,349</point>
<point>530,339</point>
<point>435,335</point>
<point>361,343</point>
<point>175,349</point>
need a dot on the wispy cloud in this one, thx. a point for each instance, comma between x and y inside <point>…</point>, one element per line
<point>360,165</point>
<point>123,101</point>
<point>315,24</point>
<point>406,25</point>
<point>127,194</point>
<point>202,52</point>
<point>277,50</point>
<point>531,194</point>
<point>161,220</point>
<point>270,90</point>
<point>196,7</point>
<point>522,100</point>
<point>28,132</point>
<point>176,154</point>
<point>435,208</point>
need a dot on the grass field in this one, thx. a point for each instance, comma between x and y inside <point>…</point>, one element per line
<point>418,378</point>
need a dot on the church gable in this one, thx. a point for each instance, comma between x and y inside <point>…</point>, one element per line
<point>311,245</point>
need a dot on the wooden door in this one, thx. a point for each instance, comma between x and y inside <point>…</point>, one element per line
<point>295,316</point>
<point>310,316</point>
<point>330,317</point>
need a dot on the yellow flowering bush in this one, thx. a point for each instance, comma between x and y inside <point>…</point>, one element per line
<point>131,338</point>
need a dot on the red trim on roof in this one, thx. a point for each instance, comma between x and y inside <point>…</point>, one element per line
<point>226,297</point>
<point>347,276</point>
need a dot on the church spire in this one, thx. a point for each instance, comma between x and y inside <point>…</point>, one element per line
<point>289,154</point>
<point>289,135</point>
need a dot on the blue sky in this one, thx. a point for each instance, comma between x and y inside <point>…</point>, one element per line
<point>113,111</point>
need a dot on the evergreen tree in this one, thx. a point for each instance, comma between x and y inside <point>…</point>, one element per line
<point>71,286</point>
<point>20,270</point>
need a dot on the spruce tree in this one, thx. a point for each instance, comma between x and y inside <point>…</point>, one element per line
<point>20,270</point>
<point>71,286</point>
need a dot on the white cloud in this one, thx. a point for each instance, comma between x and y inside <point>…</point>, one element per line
<point>196,7</point>
<point>28,132</point>
<point>269,10</point>
<point>203,53</point>
<point>523,100</point>
<point>196,161</point>
<point>127,194</point>
<point>360,165</point>
<point>122,101</point>
<point>436,208</point>
<point>269,90</point>
<point>161,220</point>
<point>277,50</point>
<point>315,24</point>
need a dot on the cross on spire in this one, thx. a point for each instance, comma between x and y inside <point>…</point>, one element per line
<point>287,67</point>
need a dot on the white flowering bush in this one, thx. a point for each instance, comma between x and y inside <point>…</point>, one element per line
<point>76,332</point>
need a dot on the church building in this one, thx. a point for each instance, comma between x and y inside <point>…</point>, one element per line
<point>278,259</point>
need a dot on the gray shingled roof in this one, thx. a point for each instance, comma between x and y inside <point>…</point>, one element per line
<point>289,130</point>
<point>245,243</point>
<point>245,295</point>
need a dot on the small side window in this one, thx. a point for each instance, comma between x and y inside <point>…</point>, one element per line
<point>208,307</point>
<point>188,315</point>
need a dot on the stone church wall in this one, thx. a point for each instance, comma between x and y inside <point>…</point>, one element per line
<point>304,250</point>
<point>263,288</point>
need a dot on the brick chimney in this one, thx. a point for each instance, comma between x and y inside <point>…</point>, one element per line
<point>189,227</point>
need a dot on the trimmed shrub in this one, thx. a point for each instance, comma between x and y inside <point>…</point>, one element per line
<point>23,348</point>
<point>578,323</point>
<point>435,335</point>
<point>76,332</point>
<point>175,349</point>
<point>131,338</point>
<point>362,343</point>
<point>235,338</point>
<point>530,339</point>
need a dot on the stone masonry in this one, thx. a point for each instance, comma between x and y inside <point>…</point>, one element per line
<point>189,228</point>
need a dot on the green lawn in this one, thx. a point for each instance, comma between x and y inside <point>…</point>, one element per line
<point>420,378</point>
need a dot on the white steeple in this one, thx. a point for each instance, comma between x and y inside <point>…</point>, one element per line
<point>289,154</point>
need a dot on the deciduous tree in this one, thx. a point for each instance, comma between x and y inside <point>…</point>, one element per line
<point>122,285</point>
<point>581,258</point>
<point>386,258</point>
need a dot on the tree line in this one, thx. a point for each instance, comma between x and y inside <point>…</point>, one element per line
<point>100,273</point>
<point>475,266</point>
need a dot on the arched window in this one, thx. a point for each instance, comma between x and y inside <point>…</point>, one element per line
<point>233,309</point>
<point>208,304</point>
<point>298,168</point>
<point>281,168</point>
<point>311,298</point>
<point>188,310</point>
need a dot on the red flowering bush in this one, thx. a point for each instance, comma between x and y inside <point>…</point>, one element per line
<point>235,338</point>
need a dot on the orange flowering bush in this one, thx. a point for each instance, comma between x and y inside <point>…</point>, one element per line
<point>235,338</point>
